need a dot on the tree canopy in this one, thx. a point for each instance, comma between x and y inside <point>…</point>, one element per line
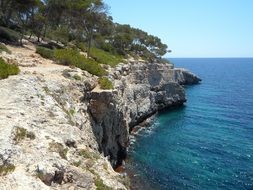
<point>79,21</point>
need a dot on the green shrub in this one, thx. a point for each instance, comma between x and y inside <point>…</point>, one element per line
<point>105,57</point>
<point>77,163</point>
<point>63,153</point>
<point>6,168</point>
<point>87,154</point>
<point>45,52</point>
<point>105,83</point>
<point>77,77</point>
<point>81,46</point>
<point>107,47</point>
<point>9,35</point>
<point>74,58</point>
<point>4,48</point>
<point>20,134</point>
<point>72,112</point>
<point>7,69</point>
<point>67,56</point>
<point>100,185</point>
<point>46,89</point>
<point>91,66</point>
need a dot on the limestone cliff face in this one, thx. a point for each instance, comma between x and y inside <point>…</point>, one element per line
<point>141,90</point>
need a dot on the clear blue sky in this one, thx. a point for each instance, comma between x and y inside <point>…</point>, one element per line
<point>192,28</point>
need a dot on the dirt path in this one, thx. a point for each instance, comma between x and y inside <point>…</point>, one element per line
<point>29,61</point>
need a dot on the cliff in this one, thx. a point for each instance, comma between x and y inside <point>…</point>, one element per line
<point>141,89</point>
<point>57,129</point>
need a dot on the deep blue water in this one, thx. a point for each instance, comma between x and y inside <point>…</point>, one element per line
<point>206,144</point>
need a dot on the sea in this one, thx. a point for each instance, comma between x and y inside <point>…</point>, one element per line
<point>207,144</point>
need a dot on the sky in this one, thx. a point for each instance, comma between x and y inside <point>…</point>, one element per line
<point>192,28</point>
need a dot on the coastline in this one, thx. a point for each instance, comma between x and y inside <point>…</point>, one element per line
<point>95,98</point>
<point>143,128</point>
<point>210,135</point>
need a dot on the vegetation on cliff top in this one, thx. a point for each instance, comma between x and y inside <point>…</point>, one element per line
<point>7,69</point>
<point>104,57</point>
<point>105,83</point>
<point>100,184</point>
<point>80,22</point>
<point>4,48</point>
<point>74,58</point>
<point>21,134</point>
<point>45,52</point>
<point>6,168</point>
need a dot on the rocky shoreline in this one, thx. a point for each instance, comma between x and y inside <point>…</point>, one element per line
<point>79,132</point>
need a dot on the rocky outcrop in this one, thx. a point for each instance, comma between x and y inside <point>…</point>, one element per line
<point>141,89</point>
<point>185,77</point>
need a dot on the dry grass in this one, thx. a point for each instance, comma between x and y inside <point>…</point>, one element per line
<point>21,134</point>
<point>59,148</point>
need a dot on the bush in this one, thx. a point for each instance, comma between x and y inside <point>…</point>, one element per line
<point>77,164</point>
<point>87,154</point>
<point>100,185</point>
<point>59,148</point>
<point>67,56</point>
<point>105,57</point>
<point>107,47</point>
<point>21,134</point>
<point>45,52</point>
<point>7,69</point>
<point>4,48</point>
<point>6,168</point>
<point>74,58</point>
<point>105,83</point>
<point>91,66</point>
<point>9,35</point>
<point>77,77</point>
<point>81,46</point>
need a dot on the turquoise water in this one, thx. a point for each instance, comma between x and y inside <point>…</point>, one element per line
<point>206,144</point>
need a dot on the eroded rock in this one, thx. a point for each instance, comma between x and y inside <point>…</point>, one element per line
<point>141,90</point>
